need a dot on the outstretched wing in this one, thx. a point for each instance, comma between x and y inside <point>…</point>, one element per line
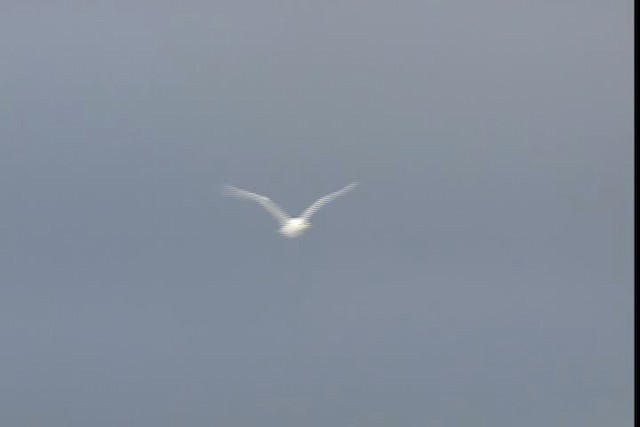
<point>266,202</point>
<point>326,199</point>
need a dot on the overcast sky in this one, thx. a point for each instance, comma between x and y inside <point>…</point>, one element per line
<point>480,275</point>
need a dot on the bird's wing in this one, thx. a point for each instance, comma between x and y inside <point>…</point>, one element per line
<point>326,199</point>
<point>266,202</point>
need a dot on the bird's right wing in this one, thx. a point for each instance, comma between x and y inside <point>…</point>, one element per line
<point>266,202</point>
<point>326,199</point>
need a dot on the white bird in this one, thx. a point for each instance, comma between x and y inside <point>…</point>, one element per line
<point>289,227</point>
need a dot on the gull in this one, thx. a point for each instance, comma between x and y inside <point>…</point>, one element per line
<point>289,227</point>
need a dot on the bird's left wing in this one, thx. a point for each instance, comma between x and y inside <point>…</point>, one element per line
<point>326,199</point>
<point>266,202</point>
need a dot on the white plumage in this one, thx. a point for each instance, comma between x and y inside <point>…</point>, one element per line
<point>289,227</point>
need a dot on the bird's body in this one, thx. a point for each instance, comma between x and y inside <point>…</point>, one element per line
<point>294,227</point>
<point>289,227</point>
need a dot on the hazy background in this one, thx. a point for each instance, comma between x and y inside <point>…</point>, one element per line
<point>481,275</point>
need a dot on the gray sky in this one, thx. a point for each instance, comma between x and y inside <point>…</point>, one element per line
<point>481,275</point>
